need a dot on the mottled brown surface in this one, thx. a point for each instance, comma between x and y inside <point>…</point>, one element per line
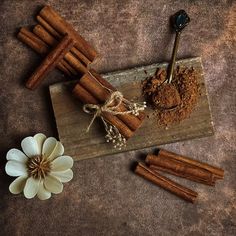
<point>105,197</point>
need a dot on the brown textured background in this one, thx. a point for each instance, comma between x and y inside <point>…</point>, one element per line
<point>105,197</point>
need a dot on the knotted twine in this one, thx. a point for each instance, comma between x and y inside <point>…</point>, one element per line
<point>115,99</point>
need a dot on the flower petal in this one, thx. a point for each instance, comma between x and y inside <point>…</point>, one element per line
<point>18,185</point>
<point>48,146</point>
<point>30,147</point>
<point>62,163</point>
<point>16,155</point>
<point>63,176</point>
<point>31,187</point>
<point>15,168</point>
<point>40,138</point>
<point>43,194</point>
<point>58,151</point>
<point>52,184</point>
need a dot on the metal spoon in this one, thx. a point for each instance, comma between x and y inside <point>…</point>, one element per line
<point>179,21</point>
<point>167,95</point>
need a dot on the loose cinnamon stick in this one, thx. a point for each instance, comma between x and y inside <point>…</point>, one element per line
<point>90,84</point>
<point>44,35</point>
<point>69,57</point>
<point>62,27</point>
<point>184,171</point>
<point>48,27</point>
<point>83,95</point>
<point>56,35</point>
<point>50,62</point>
<point>40,47</point>
<point>72,71</point>
<point>101,80</point>
<point>87,98</point>
<point>216,172</point>
<point>166,183</point>
<point>33,41</point>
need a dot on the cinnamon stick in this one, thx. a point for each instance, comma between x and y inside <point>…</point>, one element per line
<point>69,57</point>
<point>94,87</point>
<point>33,41</point>
<point>218,173</point>
<point>50,62</point>
<point>56,35</point>
<point>48,27</point>
<point>87,98</point>
<point>101,80</point>
<point>40,47</point>
<point>184,171</point>
<point>62,27</point>
<point>166,183</point>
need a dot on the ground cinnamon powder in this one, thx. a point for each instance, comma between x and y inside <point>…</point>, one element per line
<point>166,96</point>
<point>187,85</point>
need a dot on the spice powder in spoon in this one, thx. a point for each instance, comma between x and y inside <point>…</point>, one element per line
<point>187,86</point>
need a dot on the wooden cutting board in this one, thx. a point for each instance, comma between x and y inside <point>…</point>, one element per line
<point>72,121</point>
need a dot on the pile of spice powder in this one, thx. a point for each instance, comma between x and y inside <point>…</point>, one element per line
<point>186,81</point>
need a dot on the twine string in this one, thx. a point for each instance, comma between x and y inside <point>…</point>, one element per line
<point>110,106</point>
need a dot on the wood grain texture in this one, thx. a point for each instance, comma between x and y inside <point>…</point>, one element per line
<point>72,121</point>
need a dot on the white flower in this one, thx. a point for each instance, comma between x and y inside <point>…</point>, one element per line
<point>41,169</point>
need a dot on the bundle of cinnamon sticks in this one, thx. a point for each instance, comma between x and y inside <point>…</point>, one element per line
<point>180,166</point>
<point>63,47</point>
<point>90,89</point>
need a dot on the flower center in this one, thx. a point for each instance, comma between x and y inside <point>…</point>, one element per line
<point>38,166</point>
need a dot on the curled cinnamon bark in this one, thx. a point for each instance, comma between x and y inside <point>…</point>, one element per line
<point>33,41</point>
<point>166,183</point>
<point>217,172</point>
<point>49,62</point>
<point>62,27</point>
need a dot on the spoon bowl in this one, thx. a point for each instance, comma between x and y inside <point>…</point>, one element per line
<point>166,97</point>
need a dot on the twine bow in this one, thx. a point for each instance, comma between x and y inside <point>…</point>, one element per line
<point>110,106</point>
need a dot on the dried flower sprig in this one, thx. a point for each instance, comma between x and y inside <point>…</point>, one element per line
<point>135,107</point>
<point>113,135</point>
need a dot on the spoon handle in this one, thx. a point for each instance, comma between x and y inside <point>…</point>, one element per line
<point>173,58</point>
<point>179,21</point>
